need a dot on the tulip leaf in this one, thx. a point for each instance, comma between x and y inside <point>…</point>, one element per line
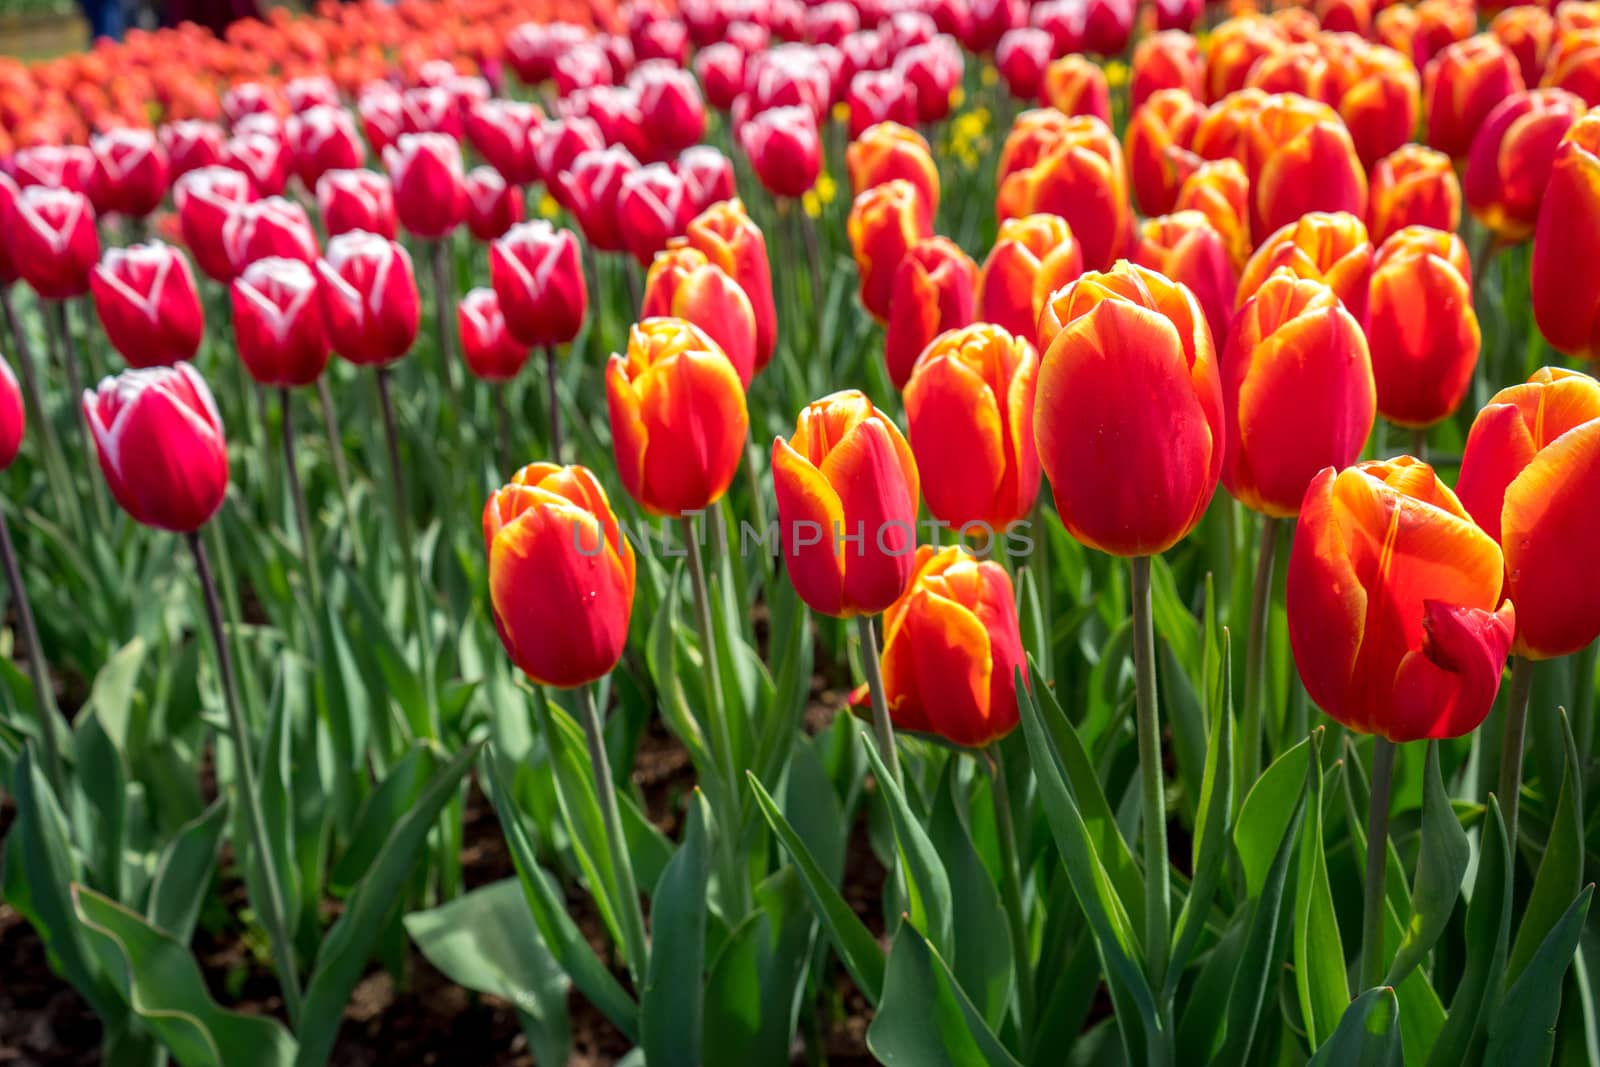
<point>983,955</point>
<point>790,645</point>
<point>103,781</point>
<point>662,657</point>
<point>400,680</point>
<point>927,882</point>
<point>1441,865</point>
<point>395,796</point>
<point>1523,1029</point>
<point>1318,950</point>
<point>184,871</point>
<point>1368,1034</point>
<point>857,948</point>
<point>1035,627</point>
<point>163,985</point>
<point>1561,868</point>
<point>115,686</point>
<point>1268,808</point>
<point>924,1019</point>
<point>1488,930</point>
<point>672,1004</point>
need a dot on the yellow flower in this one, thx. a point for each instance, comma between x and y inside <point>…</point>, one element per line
<point>811,203</point>
<point>958,96</point>
<point>548,208</point>
<point>841,112</point>
<point>1116,74</point>
<point>989,76</point>
<point>826,188</point>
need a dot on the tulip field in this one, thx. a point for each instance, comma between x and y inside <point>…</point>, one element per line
<point>727,533</point>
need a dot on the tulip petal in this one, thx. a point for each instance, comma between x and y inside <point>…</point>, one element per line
<point>869,470</point>
<point>809,511</point>
<point>1447,688</point>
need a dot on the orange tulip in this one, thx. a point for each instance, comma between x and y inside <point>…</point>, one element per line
<point>952,648</point>
<point>729,239</point>
<point>1461,85</point>
<point>888,150</point>
<point>678,420</point>
<point>1323,246</point>
<point>1224,130</point>
<point>1128,418</point>
<point>1300,159</point>
<point>1298,391</point>
<point>1413,186</point>
<point>1379,102</point>
<point>1220,190</point>
<point>885,221</point>
<point>969,405</point>
<point>1440,24</point>
<point>1167,60</point>
<point>1345,16</point>
<point>1076,85</point>
<point>1574,63</point>
<point>1034,254</point>
<point>1566,296</point>
<point>1421,326</point>
<point>1396,27</point>
<point>847,492</point>
<point>1509,165</point>
<point>1158,135</point>
<point>684,284</point>
<point>1236,46</point>
<point>1301,69</point>
<point>1530,477</point>
<point>561,576</point>
<point>1526,31</point>
<point>934,291</point>
<point>1081,178</point>
<point>1185,247</point>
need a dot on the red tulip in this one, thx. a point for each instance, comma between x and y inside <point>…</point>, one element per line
<point>370,304</point>
<point>989,20</point>
<point>590,189</point>
<point>160,444</point>
<point>1566,299</point>
<point>884,222</point>
<point>1413,186</point>
<point>933,291</point>
<point>1185,247</point>
<point>262,158</point>
<point>1526,31</point>
<point>684,284</point>
<point>720,68</point>
<point>829,22</point>
<point>191,144</point>
<point>277,323</point>
<point>653,205</point>
<point>490,351</point>
<point>270,227</point>
<point>1167,60</point>
<point>664,39</point>
<point>130,173</point>
<point>886,151</point>
<point>322,139</point>
<point>379,108</point>
<point>1509,165</point>
<point>615,110</point>
<point>1032,257</point>
<point>784,149</point>
<point>1075,85</point>
<point>501,131</point>
<point>532,47</point>
<point>582,67</point>
<point>1081,178</point>
<point>1236,47</point>
<point>1064,21</point>
<point>252,98</point>
<point>669,101</point>
<point>69,167</point>
<point>1572,62</point>
<point>727,237</point>
<point>493,207</point>
<point>13,416</point>
<point>1422,328</point>
<point>1021,57</point>
<point>1157,140</point>
<point>707,174</point>
<point>787,76</point>
<point>356,200</point>
<point>303,94</point>
<point>934,69</point>
<point>430,195</point>
<point>205,198</point>
<point>1107,26</point>
<point>1379,105</point>
<point>146,300</point>
<point>537,274</point>
<point>1461,85</point>
<point>429,109</point>
<point>557,142</point>
<point>51,238</point>
<point>1329,247</point>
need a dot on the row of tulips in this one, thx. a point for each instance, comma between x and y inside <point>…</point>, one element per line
<point>1297,276</point>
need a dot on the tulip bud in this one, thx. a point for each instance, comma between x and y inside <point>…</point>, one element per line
<point>160,444</point>
<point>846,474</point>
<point>130,175</point>
<point>13,416</point>
<point>1509,165</point>
<point>1107,26</point>
<point>323,139</point>
<point>370,304</point>
<point>303,94</point>
<point>205,198</point>
<point>1300,159</point>
<point>590,188</point>
<point>1021,57</point>
<point>491,353</point>
<point>1323,246</point>
<point>532,47</point>
<point>493,207</point>
<point>260,157</point>
<point>886,151</point>
<point>1082,179</point>
<point>1393,594</point>
<point>191,144</point>
<point>1413,186</point>
<point>615,110</point>
<point>831,21</point>
<point>1032,257</point>
<point>356,200</point>
<point>252,98</point>
<point>536,273</point>
<point>1032,134</point>
<point>51,238</point>
<point>429,188</point>
<point>1169,60</point>
<point>884,222</point>
<point>69,167</point>
<point>1185,247</point>
<point>581,67</point>
<point>1526,31</point>
<point>684,284</point>
<point>501,131</point>
<point>277,323</point>
<point>1421,326</point>
<point>1220,190</point>
<point>969,405</point>
<point>720,68</point>
<point>146,300</point>
<point>1128,419</point>
<point>1566,298</point>
<point>1157,141</point>
<point>678,420</point>
<point>933,291</point>
<point>727,237</point>
<point>669,102</point>
<point>707,174</point>
<point>1572,62</point>
<point>429,109</point>
<point>934,68</point>
<point>653,206</point>
<point>1528,477</point>
<point>1461,85</point>
<point>1236,46</point>
<point>269,227</point>
<point>784,149</point>
<point>379,108</point>
<point>1075,85</point>
<point>561,575</point>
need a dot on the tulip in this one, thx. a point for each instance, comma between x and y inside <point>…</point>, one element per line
<point>130,172</point>
<point>532,47</point>
<point>684,284</point>
<point>1075,85</point>
<point>191,144</point>
<point>370,304</point>
<point>952,649</point>
<point>969,404</point>
<point>205,198</point>
<point>1440,23</point>
<point>663,39</point>
<point>1572,62</point>
<point>707,174</point>
<point>1393,595</point>
<point>277,323</point>
<point>590,188</point>
<point>1413,186</point>
<point>784,149</point>
<point>829,22</point>
<point>1220,190</point>
<point>501,131</point>
<point>727,237</point>
<point>1528,478</point>
<point>1169,60</point>
<point>323,139</point>
<point>561,575</point>
<point>934,68</point>
<point>303,94</point>
<point>879,97</point>
<point>13,417</point>
<point>1032,257</point>
<point>933,291</point>
<point>1509,165</point>
<point>536,273</point>
<point>270,227</point>
<point>1326,247</point>
<point>1300,159</point>
<point>1380,103</point>
<point>1566,298</point>
<point>1159,134</point>
<point>252,98</point>
<point>429,188</point>
<point>52,242</point>
<point>846,473</point>
<point>493,207</point>
<point>1128,419</point>
<point>491,353</point>
<point>159,439</point>
<point>68,167</point>
<point>379,109</point>
<point>720,68</point>
<point>1236,46</point>
<point>1526,31</point>
<point>669,101</point>
<point>1460,86</point>
<point>678,420</point>
<point>1081,178</point>
<point>1021,57</point>
<point>1421,325</point>
<point>989,20</point>
<point>1185,247</point>
<point>615,110</point>
<point>653,206</point>
<point>356,200</point>
<point>884,222</point>
<point>147,302</point>
<point>262,158</point>
<point>888,150</point>
<point>787,76</point>
<point>1033,133</point>
<point>429,109</point>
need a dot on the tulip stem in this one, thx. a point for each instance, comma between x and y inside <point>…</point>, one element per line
<point>1157,895</point>
<point>1011,889</point>
<point>1377,862</point>
<point>502,425</point>
<point>69,358</point>
<point>808,234</point>
<point>1255,658</point>
<point>272,912</point>
<point>44,694</point>
<point>1419,443</point>
<point>443,290</point>
<point>55,463</point>
<point>1517,702</point>
<point>628,912</point>
<point>552,382</point>
<point>302,517</point>
<point>341,473</point>
<point>882,728</point>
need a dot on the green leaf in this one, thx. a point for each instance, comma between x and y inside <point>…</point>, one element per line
<point>103,782</point>
<point>927,883</point>
<point>113,691</point>
<point>1561,868</point>
<point>1266,813</point>
<point>163,985</point>
<point>350,942</point>
<point>1489,932</point>
<point>1524,1028</point>
<point>487,942</point>
<point>982,962</point>
<point>1368,1034</point>
<point>1318,951</point>
<point>184,872</point>
<point>395,795</point>
<point>925,1020</point>
<point>580,808</point>
<point>672,1005</point>
<point>1442,860</point>
<point>857,948</point>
